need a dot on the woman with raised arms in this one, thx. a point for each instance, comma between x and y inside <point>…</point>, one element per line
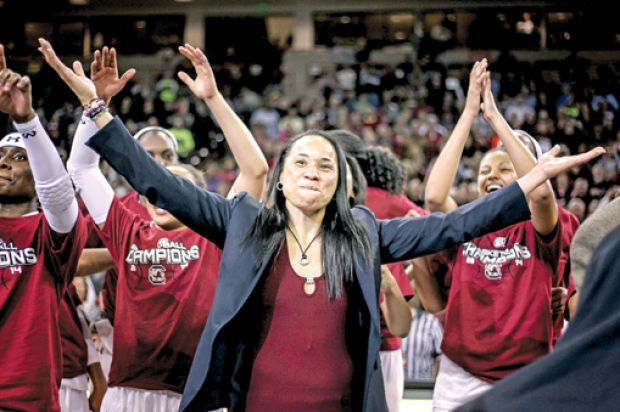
<point>167,274</point>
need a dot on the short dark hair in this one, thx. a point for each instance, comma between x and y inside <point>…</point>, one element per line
<point>359,181</point>
<point>383,170</point>
<point>350,143</point>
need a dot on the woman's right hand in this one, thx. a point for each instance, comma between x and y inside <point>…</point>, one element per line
<point>489,108</point>
<point>472,104</point>
<point>551,165</point>
<point>204,86</point>
<point>77,81</point>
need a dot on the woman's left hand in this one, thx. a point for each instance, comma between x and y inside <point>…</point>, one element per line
<point>77,81</point>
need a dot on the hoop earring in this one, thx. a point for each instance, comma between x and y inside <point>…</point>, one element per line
<point>279,186</point>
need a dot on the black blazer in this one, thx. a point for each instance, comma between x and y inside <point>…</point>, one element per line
<point>220,372</point>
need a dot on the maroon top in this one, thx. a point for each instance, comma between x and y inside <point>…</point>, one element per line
<point>498,317</point>
<point>74,350</point>
<point>166,284</point>
<point>388,206</point>
<point>132,202</point>
<point>302,361</point>
<point>36,267</point>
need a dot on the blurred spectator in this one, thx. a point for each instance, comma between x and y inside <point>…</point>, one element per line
<point>422,348</point>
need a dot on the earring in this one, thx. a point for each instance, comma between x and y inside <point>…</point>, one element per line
<point>279,186</point>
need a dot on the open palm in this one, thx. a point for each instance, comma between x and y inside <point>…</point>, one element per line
<point>472,103</point>
<point>551,165</point>
<point>489,108</point>
<point>204,86</point>
<point>104,74</point>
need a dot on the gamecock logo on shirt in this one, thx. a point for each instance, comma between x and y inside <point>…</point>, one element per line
<point>157,275</point>
<point>493,259</point>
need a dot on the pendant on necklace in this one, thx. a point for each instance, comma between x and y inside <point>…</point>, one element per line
<point>304,261</point>
<point>309,286</point>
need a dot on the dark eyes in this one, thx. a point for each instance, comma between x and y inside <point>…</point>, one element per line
<point>487,171</point>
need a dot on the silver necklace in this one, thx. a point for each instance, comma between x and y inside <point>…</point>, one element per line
<point>309,284</point>
<point>304,261</point>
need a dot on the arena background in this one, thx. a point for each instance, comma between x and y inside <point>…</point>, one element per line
<point>394,72</point>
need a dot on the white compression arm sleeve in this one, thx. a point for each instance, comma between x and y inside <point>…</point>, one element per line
<point>83,166</point>
<point>52,183</point>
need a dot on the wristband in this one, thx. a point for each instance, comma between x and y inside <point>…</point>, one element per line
<point>96,109</point>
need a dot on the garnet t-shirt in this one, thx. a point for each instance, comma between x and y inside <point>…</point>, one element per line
<point>570,224</point>
<point>166,284</point>
<point>387,206</point>
<point>36,265</point>
<point>108,293</point>
<point>498,316</point>
<point>74,350</point>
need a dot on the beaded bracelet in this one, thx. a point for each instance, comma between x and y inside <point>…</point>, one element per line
<point>90,102</point>
<point>96,109</point>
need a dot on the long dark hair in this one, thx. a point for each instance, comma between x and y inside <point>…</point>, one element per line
<point>344,238</point>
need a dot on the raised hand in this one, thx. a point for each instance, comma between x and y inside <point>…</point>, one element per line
<point>2,59</point>
<point>388,283</point>
<point>77,81</point>
<point>204,86</point>
<point>489,108</point>
<point>15,93</point>
<point>104,74</point>
<point>472,104</point>
<point>550,165</point>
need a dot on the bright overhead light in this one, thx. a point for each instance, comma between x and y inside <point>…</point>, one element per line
<point>79,2</point>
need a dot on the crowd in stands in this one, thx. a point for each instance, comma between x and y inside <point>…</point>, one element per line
<point>410,108</point>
